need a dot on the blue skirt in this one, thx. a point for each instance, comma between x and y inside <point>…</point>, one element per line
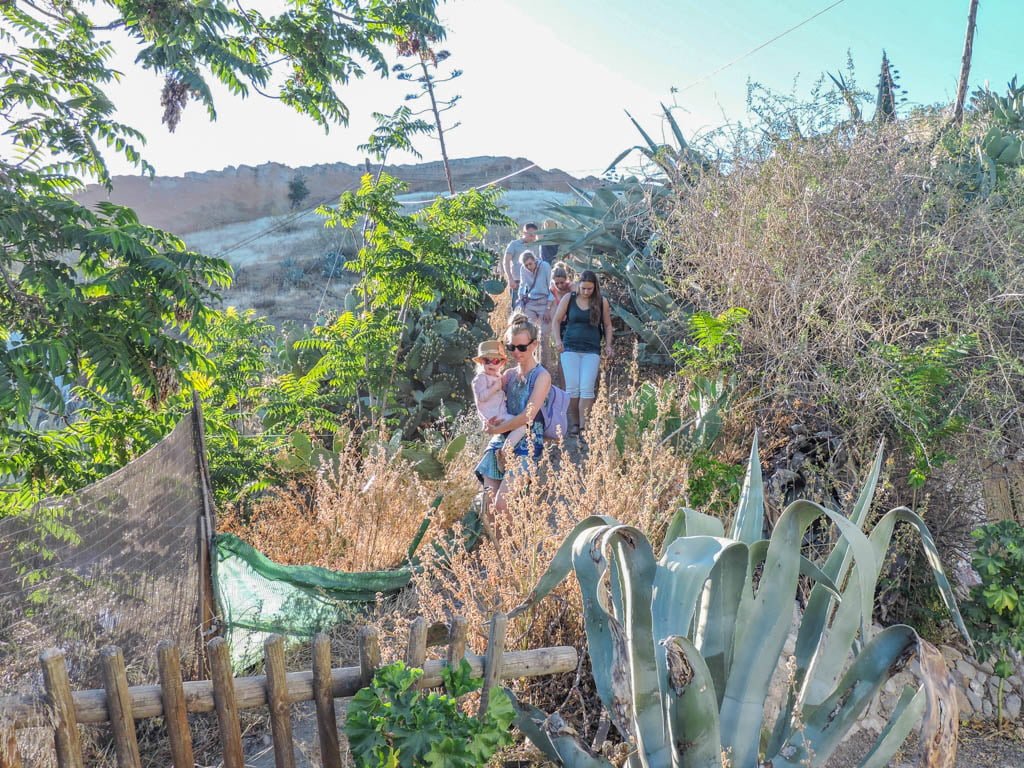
<point>530,447</point>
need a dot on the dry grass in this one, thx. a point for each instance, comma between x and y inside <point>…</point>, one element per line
<point>644,487</point>
<point>842,246</point>
<point>359,515</point>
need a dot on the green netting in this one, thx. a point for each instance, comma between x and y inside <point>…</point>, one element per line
<point>258,597</point>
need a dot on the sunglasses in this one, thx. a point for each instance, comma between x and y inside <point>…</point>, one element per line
<point>520,347</point>
<point>492,360</point>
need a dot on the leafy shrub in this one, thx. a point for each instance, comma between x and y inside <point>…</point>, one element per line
<point>995,611</point>
<point>391,723</point>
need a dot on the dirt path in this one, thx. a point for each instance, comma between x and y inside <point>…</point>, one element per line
<point>979,748</point>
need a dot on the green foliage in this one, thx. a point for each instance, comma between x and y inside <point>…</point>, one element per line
<point>684,643</point>
<point>393,724</point>
<point>419,309</point>
<point>995,611</point>
<point>716,341</point>
<point>297,191</point>
<point>395,131</point>
<point>102,318</point>
<point>921,385</point>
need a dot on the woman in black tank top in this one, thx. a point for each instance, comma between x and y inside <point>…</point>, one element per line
<point>581,327</point>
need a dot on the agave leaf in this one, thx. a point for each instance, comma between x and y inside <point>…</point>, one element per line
<point>637,568</point>
<point>580,193</point>
<point>651,144</point>
<point>692,707</point>
<point>905,715</point>
<point>553,737</point>
<point>838,560</point>
<point>717,613</point>
<point>680,578</point>
<point>764,622</point>
<point>634,322</point>
<point>606,639</point>
<point>561,563</point>
<point>819,605</point>
<point>835,644</point>
<point>690,522</point>
<point>886,654</point>
<point>808,568</point>
<point>881,535</point>
<point>619,158</point>
<point>604,199</point>
<point>748,525</point>
<point>683,146</point>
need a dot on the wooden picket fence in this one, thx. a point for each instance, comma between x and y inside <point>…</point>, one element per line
<point>120,705</point>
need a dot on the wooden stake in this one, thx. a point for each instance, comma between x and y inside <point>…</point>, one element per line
<point>172,692</point>
<point>58,691</point>
<point>326,718</point>
<point>965,63</point>
<point>9,755</point>
<point>457,641</point>
<point>224,702</point>
<point>493,660</point>
<point>278,702</point>
<point>119,707</point>
<point>416,650</point>
<point>369,655</point>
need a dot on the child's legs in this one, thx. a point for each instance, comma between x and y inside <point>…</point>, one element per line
<point>513,438</point>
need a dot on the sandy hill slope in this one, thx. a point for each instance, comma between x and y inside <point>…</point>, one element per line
<point>287,266</point>
<point>204,201</point>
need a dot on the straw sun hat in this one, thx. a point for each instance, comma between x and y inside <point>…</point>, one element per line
<point>490,350</point>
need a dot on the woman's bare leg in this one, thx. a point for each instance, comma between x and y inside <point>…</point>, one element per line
<point>491,490</point>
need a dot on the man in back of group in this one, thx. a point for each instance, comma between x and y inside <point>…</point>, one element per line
<point>510,263</point>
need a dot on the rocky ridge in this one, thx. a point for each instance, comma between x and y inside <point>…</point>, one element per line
<point>203,201</point>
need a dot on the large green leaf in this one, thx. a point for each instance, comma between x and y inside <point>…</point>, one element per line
<point>820,604</point>
<point>850,617</point>
<point>748,524</point>
<point>606,638</point>
<point>905,715</point>
<point>561,563</point>
<point>765,621</point>
<point>692,707</point>
<point>825,726</point>
<point>636,566</point>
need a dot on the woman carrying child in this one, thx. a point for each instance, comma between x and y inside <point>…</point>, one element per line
<point>526,387</point>
<point>489,393</point>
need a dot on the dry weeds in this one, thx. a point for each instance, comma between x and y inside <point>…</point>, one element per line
<point>359,515</point>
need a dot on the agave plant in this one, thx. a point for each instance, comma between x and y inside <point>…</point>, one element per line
<point>608,230</point>
<point>684,644</point>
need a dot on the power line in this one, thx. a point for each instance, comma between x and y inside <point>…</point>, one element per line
<point>752,51</point>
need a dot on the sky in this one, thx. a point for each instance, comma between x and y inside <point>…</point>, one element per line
<point>549,80</point>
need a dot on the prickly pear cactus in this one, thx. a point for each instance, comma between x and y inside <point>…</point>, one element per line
<point>436,368</point>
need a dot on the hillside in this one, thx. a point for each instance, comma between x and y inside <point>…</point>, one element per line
<point>204,201</point>
<point>287,266</point>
